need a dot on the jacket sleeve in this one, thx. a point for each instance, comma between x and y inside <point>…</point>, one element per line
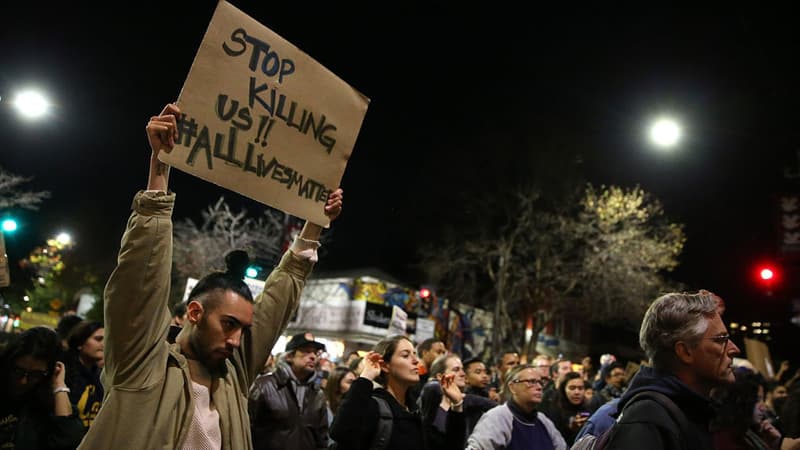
<point>136,295</point>
<point>257,409</point>
<point>632,435</point>
<point>493,430</point>
<point>428,402</point>
<point>558,440</point>
<point>272,311</point>
<point>643,421</point>
<point>456,430</point>
<point>322,428</point>
<point>356,421</point>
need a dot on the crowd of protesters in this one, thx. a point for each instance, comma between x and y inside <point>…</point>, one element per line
<point>52,394</point>
<point>202,376</point>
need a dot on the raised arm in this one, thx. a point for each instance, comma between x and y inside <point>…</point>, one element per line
<point>136,295</point>
<point>281,295</point>
<point>162,131</point>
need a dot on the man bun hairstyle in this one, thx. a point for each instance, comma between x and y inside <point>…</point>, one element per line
<point>230,280</point>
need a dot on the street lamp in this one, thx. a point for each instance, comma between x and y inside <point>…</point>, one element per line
<point>31,104</point>
<point>64,239</point>
<point>665,132</point>
<point>9,225</point>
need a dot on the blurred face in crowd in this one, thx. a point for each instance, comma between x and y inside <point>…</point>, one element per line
<point>588,393</point>
<point>304,361</point>
<point>91,351</point>
<point>345,382</point>
<point>509,360</point>
<point>526,388</point>
<point>542,366</point>
<point>437,350</point>
<point>575,391</point>
<point>404,365</point>
<point>454,366</point>
<point>711,359</point>
<point>564,367</point>
<point>219,328</point>
<point>477,375</point>
<point>616,377</point>
<point>26,374</point>
<point>779,392</point>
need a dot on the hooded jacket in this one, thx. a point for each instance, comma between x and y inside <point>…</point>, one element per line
<point>646,421</point>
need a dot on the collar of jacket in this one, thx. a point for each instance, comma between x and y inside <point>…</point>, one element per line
<point>283,375</point>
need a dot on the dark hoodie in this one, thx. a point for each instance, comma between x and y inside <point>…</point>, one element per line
<point>646,421</point>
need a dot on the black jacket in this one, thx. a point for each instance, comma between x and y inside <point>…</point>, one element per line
<point>356,422</point>
<point>562,413</point>
<point>474,407</point>
<point>648,423</point>
<point>276,420</point>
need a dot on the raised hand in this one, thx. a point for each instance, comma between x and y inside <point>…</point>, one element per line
<point>162,130</point>
<point>58,375</point>
<point>450,389</point>
<point>334,205</point>
<point>372,366</point>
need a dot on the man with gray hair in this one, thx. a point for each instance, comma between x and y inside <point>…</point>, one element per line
<point>690,352</point>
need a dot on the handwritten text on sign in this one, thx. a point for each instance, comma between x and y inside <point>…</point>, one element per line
<point>264,119</point>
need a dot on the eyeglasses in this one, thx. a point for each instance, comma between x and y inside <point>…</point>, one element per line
<point>531,382</point>
<point>31,375</point>
<point>722,339</point>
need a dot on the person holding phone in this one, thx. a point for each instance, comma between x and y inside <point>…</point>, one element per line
<point>569,412</point>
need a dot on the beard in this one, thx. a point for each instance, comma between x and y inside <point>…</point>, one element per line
<point>204,352</point>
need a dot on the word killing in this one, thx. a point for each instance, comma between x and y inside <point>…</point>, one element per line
<point>187,130</point>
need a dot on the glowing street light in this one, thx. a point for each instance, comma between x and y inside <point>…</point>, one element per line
<point>31,104</point>
<point>64,239</point>
<point>9,225</point>
<point>665,132</point>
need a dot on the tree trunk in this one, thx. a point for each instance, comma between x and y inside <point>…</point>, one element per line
<point>498,310</point>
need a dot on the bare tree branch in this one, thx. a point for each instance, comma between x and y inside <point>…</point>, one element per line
<point>12,195</point>
<point>602,255</point>
<point>201,248</point>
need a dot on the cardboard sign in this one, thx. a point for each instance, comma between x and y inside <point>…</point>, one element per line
<point>262,118</point>
<point>758,354</point>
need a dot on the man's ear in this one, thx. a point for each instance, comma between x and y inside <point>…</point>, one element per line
<point>684,352</point>
<point>194,312</point>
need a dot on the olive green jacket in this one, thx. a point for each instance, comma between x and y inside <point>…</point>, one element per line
<point>148,403</point>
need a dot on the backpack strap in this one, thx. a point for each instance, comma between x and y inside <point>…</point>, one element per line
<point>384,430</point>
<point>672,409</point>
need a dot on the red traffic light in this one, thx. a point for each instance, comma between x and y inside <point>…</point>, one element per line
<point>767,275</point>
<point>424,293</point>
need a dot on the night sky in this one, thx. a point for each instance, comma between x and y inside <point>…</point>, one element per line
<point>461,102</point>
